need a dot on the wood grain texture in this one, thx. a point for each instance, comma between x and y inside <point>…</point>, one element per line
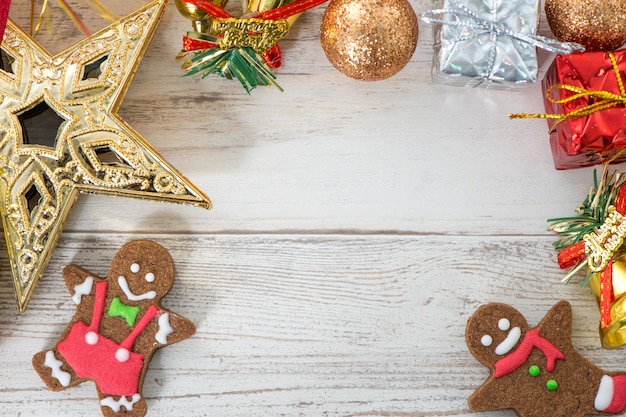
<point>306,325</point>
<point>398,155</point>
<point>356,227</point>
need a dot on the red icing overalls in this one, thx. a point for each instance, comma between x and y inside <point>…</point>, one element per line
<point>93,356</point>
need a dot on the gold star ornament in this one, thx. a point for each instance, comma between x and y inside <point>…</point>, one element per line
<point>60,135</point>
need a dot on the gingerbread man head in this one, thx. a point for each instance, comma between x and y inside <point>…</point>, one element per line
<point>494,331</point>
<point>141,273</point>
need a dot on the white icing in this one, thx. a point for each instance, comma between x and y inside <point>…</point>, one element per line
<point>133,297</point>
<point>150,277</point>
<point>60,375</point>
<point>91,338</point>
<point>122,355</point>
<point>82,289</point>
<point>117,405</point>
<point>134,268</point>
<point>511,340</point>
<point>605,393</point>
<point>165,329</point>
<point>504,324</point>
<point>486,340</point>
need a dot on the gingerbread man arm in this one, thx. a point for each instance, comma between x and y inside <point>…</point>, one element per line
<point>556,326</point>
<point>489,397</point>
<point>173,328</point>
<point>79,282</point>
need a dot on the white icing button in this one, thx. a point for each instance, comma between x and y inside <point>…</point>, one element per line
<point>150,277</point>
<point>122,355</point>
<point>504,324</point>
<point>486,340</point>
<point>91,338</point>
<point>134,268</point>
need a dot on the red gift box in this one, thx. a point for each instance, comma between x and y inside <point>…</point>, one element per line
<point>592,138</point>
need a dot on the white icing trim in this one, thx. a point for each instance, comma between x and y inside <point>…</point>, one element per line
<point>605,394</point>
<point>150,277</point>
<point>509,343</point>
<point>82,289</point>
<point>129,294</point>
<point>117,405</point>
<point>486,340</point>
<point>165,329</point>
<point>134,268</point>
<point>59,374</point>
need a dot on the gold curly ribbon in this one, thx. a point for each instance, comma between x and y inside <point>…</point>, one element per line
<point>606,100</point>
<point>35,23</point>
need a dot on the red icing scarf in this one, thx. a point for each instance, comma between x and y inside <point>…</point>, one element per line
<point>531,340</point>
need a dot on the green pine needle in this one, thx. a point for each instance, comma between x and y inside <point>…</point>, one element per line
<point>243,64</point>
<point>591,213</point>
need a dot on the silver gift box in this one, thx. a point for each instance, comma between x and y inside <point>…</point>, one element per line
<point>477,56</point>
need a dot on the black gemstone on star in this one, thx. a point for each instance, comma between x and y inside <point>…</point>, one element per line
<point>33,198</point>
<point>40,125</point>
<point>6,61</point>
<point>92,70</point>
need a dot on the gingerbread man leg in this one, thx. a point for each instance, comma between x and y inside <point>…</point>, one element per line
<point>54,371</point>
<point>126,406</point>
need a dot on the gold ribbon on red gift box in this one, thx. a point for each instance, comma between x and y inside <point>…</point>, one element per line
<point>603,99</point>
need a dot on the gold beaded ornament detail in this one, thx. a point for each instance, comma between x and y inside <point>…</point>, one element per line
<point>60,135</point>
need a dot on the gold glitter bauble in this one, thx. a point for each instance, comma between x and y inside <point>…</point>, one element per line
<point>369,39</point>
<point>598,25</point>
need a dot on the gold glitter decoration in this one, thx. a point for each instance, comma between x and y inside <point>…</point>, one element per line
<point>369,39</point>
<point>598,25</point>
<point>90,149</point>
<point>258,34</point>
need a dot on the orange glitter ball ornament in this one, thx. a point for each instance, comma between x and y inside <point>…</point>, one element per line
<point>369,40</point>
<point>598,25</point>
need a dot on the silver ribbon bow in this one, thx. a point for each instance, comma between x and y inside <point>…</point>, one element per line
<point>459,15</point>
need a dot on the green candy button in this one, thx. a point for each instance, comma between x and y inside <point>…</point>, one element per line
<point>552,385</point>
<point>534,370</point>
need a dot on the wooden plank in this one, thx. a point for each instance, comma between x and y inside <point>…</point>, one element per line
<point>335,154</point>
<point>306,325</point>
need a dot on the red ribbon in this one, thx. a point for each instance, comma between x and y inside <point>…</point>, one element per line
<point>282,12</point>
<point>4,14</point>
<point>531,340</point>
<point>576,253</point>
<point>191,44</point>
<point>273,57</point>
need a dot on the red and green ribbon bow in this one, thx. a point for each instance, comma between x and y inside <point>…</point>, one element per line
<point>249,65</point>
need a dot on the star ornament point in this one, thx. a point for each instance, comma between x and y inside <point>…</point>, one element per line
<point>60,135</point>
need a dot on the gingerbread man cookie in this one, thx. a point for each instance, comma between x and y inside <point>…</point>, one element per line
<point>537,372</point>
<point>118,325</point>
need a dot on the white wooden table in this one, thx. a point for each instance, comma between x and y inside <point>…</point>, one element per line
<point>356,227</point>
